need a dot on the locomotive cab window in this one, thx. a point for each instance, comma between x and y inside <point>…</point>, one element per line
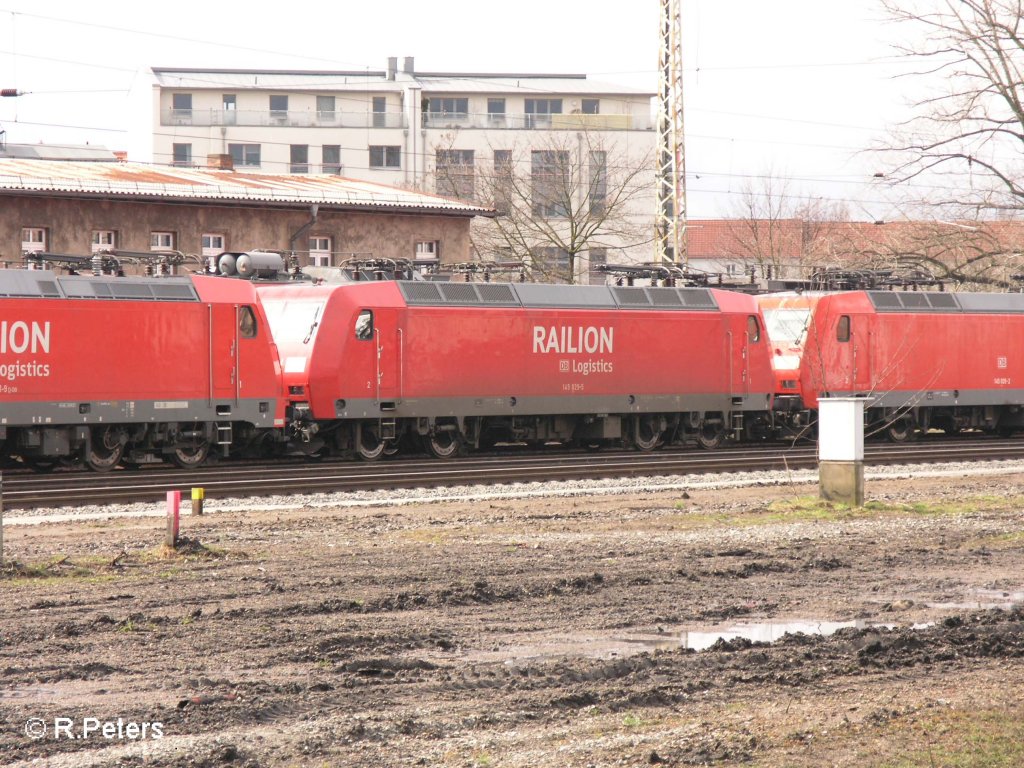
<point>843,328</point>
<point>364,325</point>
<point>753,329</point>
<point>246,323</point>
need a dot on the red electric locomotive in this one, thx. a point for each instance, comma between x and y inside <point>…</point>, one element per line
<point>111,369</point>
<point>366,364</point>
<point>926,360</point>
<point>787,318</point>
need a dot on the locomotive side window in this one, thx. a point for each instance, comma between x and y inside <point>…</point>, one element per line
<point>364,325</point>
<point>246,323</point>
<point>753,329</point>
<point>843,328</point>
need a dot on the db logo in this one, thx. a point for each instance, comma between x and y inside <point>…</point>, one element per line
<point>563,366</point>
<point>1000,362</point>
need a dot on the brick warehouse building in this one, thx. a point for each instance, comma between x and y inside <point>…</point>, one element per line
<point>80,207</point>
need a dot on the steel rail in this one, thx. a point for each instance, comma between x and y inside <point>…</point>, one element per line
<point>28,490</point>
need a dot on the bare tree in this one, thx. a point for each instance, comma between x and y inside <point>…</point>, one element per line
<point>973,256</point>
<point>568,193</point>
<point>965,140</point>
<point>778,233</point>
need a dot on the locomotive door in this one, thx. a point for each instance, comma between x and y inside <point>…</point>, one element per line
<point>851,370</point>
<point>388,342</point>
<point>740,339</point>
<point>223,352</point>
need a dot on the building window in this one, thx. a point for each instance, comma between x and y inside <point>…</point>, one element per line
<point>380,108</point>
<point>33,239</point>
<point>385,157</point>
<point>590,106</point>
<point>244,154</point>
<point>325,108</point>
<point>598,191</point>
<point>181,108</point>
<point>213,245</point>
<point>539,111</point>
<point>320,251</point>
<point>427,250</point>
<point>552,262</point>
<point>447,109</point>
<point>503,181</point>
<point>229,105</point>
<point>278,108</point>
<point>454,169</point>
<point>496,111</point>
<point>598,258</point>
<point>299,158</point>
<point>103,240</point>
<point>331,158</point>
<point>551,187</point>
<point>161,241</point>
<point>182,154</point>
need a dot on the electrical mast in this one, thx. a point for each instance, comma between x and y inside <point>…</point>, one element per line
<point>670,221</point>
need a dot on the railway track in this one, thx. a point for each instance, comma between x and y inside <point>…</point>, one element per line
<point>26,490</point>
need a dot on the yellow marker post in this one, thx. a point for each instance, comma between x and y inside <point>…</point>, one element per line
<point>198,494</point>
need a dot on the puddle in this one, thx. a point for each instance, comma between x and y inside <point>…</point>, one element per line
<point>620,645</point>
<point>623,644</point>
<point>987,599</point>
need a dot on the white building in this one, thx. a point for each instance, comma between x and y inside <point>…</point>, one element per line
<point>394,126</point>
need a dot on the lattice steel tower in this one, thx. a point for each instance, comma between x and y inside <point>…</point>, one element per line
<point>670,220</point>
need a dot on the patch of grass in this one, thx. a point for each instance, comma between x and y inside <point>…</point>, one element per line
<point>426,536</point>
<point>88,569</point>
<point>187,550</point>
<point>632,721</point>
<point>963,738</point>
<point>1014,540</point>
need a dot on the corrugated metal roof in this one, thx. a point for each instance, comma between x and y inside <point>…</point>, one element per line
<point>138,180</point>
<point>62,152</point>
<point>273,81</point>
<point>526,85</point>
<point>447,82</point>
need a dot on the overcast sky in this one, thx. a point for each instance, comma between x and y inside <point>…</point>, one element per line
<point>792,88</point>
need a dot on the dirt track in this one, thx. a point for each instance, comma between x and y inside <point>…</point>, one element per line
<point>526,633</point>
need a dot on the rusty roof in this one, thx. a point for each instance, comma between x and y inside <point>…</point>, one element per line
<point>156,182</point>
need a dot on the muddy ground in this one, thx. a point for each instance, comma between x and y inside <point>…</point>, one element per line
<point>533,632</point>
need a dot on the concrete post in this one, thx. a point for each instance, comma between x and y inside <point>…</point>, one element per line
<point>173,518</point>
<point>841,449</point>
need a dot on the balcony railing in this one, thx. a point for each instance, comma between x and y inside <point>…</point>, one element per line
<point>546,122</point>
<point>432,120</point>
<point>279,118</point>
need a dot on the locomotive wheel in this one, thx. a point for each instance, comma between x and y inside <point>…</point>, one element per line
<point>900,430</point>
<point>106,449</point>
<point>191,456</point>
<point>444,445</point>
<point>368,445</point>
<point>711,435</point>
<point>646,436</point>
